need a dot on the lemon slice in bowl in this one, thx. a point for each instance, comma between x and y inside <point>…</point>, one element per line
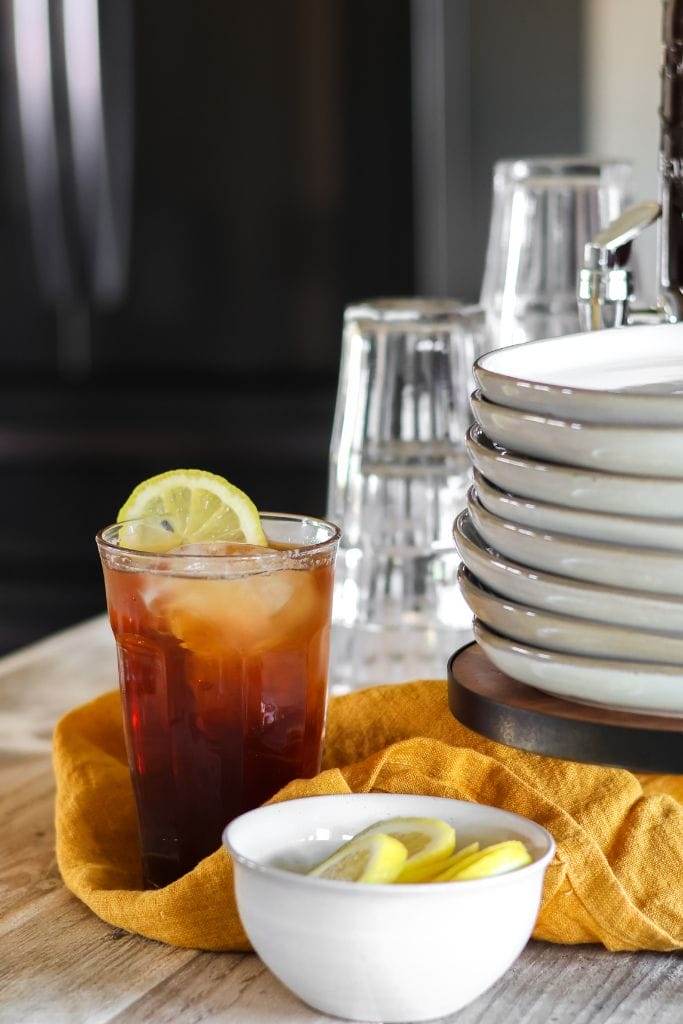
<point>492,860</point>
<point>372,858</point>
<point>427,840</point>
<point>188,506</point>
<point>445,869</point>
<point>459,860</point>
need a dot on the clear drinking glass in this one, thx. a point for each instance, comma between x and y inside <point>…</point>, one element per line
<point>544,211</point>
<point>398,475</point>
<point>223,659</point>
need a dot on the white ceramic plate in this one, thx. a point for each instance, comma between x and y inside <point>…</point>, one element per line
<point>600,526</point>
<point>637,450</point>
<point>592,601</point>
<point>609,376</point>
<point>621,685</point>
<point>615,564</point>
<point>576,488</point>
<point>564,634</point>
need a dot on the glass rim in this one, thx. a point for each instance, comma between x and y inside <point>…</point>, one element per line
<point>104,543</point>
<point>404,310</point>
<point>559,165</point>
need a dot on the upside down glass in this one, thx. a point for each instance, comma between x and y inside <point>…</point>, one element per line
<point>223,660</point>
<point>398,476</point>
<point>545,209</point>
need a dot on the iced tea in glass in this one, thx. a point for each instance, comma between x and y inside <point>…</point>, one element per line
<point>223,659</point>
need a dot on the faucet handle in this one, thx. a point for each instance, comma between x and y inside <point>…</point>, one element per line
<point>609,247</point>
<point>605,285</point>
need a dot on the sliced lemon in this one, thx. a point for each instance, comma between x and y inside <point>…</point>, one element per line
<point>493,860</point>
<point>469,855</point>
<point>427,840</point>
<point>432,872</point>
<point>372,858</point>
<point>446,869</point>
<point>188,506</point>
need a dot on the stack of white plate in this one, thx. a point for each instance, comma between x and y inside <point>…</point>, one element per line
<point>572,541</point>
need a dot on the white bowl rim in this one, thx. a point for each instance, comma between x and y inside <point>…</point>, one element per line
<point>618,397</point>
<point>479,398</point>
<point>392,891</point>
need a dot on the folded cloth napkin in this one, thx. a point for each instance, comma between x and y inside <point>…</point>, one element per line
<point>617,877</point>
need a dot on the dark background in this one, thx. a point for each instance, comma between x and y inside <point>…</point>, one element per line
<point>273,154</point>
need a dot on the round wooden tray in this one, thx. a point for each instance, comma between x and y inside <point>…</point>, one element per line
<point>493,704</point>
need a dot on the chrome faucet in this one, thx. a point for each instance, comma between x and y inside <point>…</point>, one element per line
<point>605,286</point>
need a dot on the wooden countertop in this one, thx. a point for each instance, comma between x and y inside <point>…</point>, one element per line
<point>59,964</point>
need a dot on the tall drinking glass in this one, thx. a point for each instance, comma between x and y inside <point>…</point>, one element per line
<point>223,660</point>
<point>398,475</point>
<point>544,211</point>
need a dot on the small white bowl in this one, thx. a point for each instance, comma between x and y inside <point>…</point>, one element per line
<point>599,377</point>
<point>618,565</point>
<point>564,634</point>
<point>639,450</point>
<point>601,682</point>
<point>391,953</point>
<point>593,601</point>
<point>601,526</point>
<point>587,489</point>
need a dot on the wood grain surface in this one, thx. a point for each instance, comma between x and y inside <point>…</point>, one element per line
<point>59,964</point>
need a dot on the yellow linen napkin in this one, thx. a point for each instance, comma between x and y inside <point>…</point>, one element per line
<point>617,877</point>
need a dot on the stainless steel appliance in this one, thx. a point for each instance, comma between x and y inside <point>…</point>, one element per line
<point>182,191</point>
<point>69,107</point>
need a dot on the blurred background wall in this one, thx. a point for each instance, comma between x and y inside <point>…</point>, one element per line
<point>191,192</point>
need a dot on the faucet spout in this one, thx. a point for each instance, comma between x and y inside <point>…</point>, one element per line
<point>605,284</point>
<point>605,287</point>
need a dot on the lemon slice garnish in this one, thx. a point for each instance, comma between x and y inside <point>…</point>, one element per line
<point>427,840</point>
<point>188,506</point>
<point>373,858</point>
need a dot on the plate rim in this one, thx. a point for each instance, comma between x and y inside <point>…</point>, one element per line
<point>569,390</point>
<point>549,578</point>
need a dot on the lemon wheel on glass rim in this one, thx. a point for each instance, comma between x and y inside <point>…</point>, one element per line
<point>188,506</point>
